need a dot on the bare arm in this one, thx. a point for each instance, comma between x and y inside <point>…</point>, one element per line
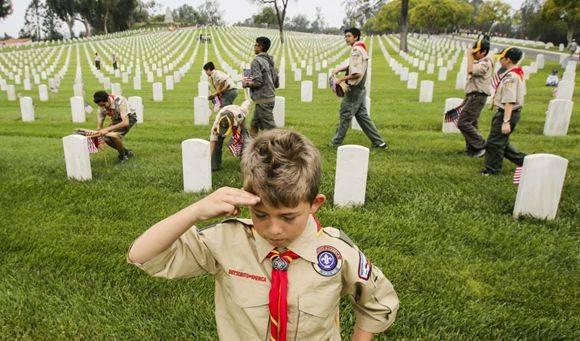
<point>469,53</point>
<point>161,236</point>
<point>507,116</point>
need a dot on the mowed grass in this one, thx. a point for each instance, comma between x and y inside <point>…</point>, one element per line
<point>462,266</point>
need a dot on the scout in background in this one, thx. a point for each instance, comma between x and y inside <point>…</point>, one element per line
<point>122,120</point>
<point>225,91</point>
<point>229,121</point>
<point>552,79</point>
<point>262,81</point>
<point>354,101</point>
<point>281,274</point>
<point>509,100</point>
<point>478,88</point>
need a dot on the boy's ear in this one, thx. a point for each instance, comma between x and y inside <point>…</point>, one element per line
<point>317,202</point>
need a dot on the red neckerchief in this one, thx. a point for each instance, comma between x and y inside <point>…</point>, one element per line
<point>278,297</point>
<point>361,44</point>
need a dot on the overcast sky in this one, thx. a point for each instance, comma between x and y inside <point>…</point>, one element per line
<point>233,10</point>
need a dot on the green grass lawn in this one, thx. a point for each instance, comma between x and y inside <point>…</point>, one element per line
<point>444,235</point>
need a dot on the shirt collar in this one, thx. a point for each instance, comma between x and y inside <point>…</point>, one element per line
<point>304,246</point>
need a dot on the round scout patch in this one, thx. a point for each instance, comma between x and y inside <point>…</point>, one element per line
<point>329,261</point>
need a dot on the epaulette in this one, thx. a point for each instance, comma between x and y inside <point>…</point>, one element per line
<point>245,222</point>
<point>339,234</point>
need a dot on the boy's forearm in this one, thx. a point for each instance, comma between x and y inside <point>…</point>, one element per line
<point>162,235</point>
<point>361,335</point>
<point>507,112</point>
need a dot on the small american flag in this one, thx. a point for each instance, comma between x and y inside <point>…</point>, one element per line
<point>236,143</point>
<point>96,143</point>
<point>517,175</point>
<point>217,103</point>
<point>88,109</point>
<point>452,115</point>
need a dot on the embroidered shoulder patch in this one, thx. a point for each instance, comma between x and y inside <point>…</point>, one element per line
<point>329,261</point>
<point>364,267</point>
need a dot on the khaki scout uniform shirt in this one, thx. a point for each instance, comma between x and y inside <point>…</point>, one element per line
<point>357,63</point>
<point>511,89</point>
<point>480,78</point>
<point>217,77</point>
<point>239,116</point>
<point>117,111</point>
<point>237,255</point>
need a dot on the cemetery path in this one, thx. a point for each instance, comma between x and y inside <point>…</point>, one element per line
<point>530,52</point>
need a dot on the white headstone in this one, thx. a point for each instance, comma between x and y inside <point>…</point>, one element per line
<point>43,92</point>
<point>280,111</point>
<point>203,89</point>
<point>309,70</point>
<point>116,89</point>
<point>169,82</point>
<point>26,109</point>
<point>76,157</point>
<point>322,80</point>
<point>404,76</point>
<point>565,90</point>
<point>426,92</point>
<point>136,105</point>
<point>78,89</point>
<point>157,92</point>
<point>77,107</point>
<point>306,91</point>
<point>558,117</point>
<point>460,81</point>
<point>137,83</point>
<point>442,75</point>
<point>540,187</point>
<point>298,75</point>
<point>540,60</point>
<point>201,111</point>
<point>196,157</point>
<point>352,163</point>
<point>450,103</point>
<point>412,80</point>
<point>430,68</point>
<point>27,84</point>
<point>11,92</point>
<point>422,65</point>
<point>125,77</point>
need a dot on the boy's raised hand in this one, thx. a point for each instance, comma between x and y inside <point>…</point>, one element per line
<point>224,202</point>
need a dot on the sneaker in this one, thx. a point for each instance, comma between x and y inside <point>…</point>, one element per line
<point>129,153</point>
<point>487,172</point>
<point>382,146</point>
<point>478,153</point>
<point>123,158</point>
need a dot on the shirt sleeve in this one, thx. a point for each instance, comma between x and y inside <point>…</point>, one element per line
<point>355,64</point>
<point>256,72</point>
<point>509,90</point>
<point>188,256</point>
<point>123,108</point>
<point>375,301</point>
<point>481,69</point>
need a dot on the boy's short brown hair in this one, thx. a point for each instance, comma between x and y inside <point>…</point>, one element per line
<point>282,167</point>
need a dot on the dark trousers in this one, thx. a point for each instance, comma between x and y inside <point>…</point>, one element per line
<point>228,97</point>
<point>263,117</point>
<point>498,145</point>
<point>469,120</point>
<point>97,64</point>
<point>216,156</point>
<point>354,104</point>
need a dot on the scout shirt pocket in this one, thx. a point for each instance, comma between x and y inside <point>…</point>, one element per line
<point>316,313</point>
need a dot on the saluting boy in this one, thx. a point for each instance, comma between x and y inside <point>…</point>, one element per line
<point>509,100</point>
<point>279,275</point>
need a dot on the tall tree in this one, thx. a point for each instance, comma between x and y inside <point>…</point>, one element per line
<point>66,10</point>
<point>280,7</point>
<point>5,8</point>
<point>266,17</point>
<point>209,13</point>
<point>492,12</point>
<point>567,11</point>
<point>186,14</point>
<point>358,12</point>
<point>404,25</point>
<point>40,22</point>
<point>299,23</point>
<point>319,22</point>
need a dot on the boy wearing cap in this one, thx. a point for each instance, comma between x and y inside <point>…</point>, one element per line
<point>223,85</point>
<point>123,118</point>
<point>228,121</point>
<point>479,71</point>
<point>279,275</point>
<point>509,100</point>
